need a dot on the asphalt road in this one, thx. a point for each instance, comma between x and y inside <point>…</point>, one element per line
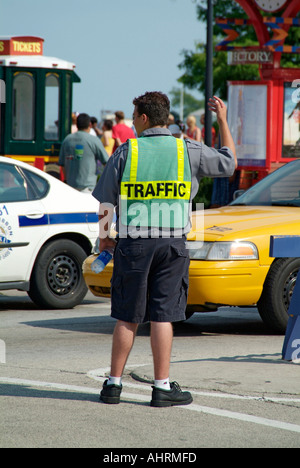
<point>53,363</point>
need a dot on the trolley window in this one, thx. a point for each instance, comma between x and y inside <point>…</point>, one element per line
<point>68,104</point>
<point>51,129</point>
<point>23,106</point>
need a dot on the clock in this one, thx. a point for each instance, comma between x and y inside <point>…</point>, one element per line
<point>270,5</point>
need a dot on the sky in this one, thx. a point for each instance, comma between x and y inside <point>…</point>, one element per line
<point>121,49</point>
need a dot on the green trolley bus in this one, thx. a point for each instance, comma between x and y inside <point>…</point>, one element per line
<point>36,102</point>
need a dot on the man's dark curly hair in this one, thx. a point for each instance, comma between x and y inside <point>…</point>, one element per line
<point>155,105</point>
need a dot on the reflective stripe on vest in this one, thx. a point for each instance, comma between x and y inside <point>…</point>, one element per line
<point>156,183</point>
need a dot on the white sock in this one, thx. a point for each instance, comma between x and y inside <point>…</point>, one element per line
<point>114,380</point>
<point>163,384</point>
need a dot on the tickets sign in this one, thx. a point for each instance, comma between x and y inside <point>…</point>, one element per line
<point>21,45</point>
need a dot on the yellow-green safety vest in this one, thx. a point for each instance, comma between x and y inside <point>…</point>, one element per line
<point>156,183</point>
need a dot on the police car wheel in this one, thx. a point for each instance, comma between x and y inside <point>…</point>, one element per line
<point>274,303</point>
<point>57,281</point>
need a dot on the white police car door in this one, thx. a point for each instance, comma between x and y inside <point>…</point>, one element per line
<point>23,224</point>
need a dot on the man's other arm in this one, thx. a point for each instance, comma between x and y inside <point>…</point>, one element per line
<point>217,105</point>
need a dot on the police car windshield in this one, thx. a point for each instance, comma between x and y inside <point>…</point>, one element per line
<point>281,188</point>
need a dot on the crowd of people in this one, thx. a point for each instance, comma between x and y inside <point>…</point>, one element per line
<point>111,135</point>
<point>190,131</point>
<point>86,150</point>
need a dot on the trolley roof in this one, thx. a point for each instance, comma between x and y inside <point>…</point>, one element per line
<point>35,61</point>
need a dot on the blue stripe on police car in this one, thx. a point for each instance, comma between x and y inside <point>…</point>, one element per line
<point>59,218</point>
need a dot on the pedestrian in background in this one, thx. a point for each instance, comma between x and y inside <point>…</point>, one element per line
<point>213,132</point>
<point>107,139</point>
<point>94,130</point>
<point>193,132</point>
<point>121,132</point>
<point>79,154</point>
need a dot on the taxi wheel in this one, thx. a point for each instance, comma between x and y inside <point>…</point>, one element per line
<point>57,281</point>
<point>274,303</point>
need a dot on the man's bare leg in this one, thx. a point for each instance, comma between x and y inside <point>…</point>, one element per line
<point>161,344</point>
<point>123,339</point>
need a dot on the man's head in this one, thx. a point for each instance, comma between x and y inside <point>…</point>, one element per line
<point>151,110</point>
<point>94,121</point>
<point>107,125</point>
<point>119,116</point>
<point>191,121</point>
<point>83,122</point>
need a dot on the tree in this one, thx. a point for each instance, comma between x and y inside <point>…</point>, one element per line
<point>194,61</point>
<point>194,65</point>
<point>190,103</point>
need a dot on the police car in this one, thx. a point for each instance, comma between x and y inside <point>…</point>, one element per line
<point>47,229</point>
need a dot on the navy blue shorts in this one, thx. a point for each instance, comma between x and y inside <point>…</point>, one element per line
<point>150,280</point>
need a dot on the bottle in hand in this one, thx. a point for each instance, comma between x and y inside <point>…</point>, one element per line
<point>102,260</point>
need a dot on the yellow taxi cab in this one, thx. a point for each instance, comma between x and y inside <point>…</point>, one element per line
<point>229,251</point>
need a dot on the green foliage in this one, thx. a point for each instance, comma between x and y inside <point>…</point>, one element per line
<point>194,66</point>
<point>225,9</point>
<point>194,61</point>
<point>190,103</point>
<point>204,193</point>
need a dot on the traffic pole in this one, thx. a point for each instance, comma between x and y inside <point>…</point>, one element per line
<point>209,73</point>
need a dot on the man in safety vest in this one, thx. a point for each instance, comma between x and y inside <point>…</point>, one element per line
<point>151,181</point>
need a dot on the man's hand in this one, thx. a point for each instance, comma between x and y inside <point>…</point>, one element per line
<point>106,244</point>
<point>216,105</point>
<point>106,213</point>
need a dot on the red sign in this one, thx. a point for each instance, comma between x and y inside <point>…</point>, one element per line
<point>21,45</point>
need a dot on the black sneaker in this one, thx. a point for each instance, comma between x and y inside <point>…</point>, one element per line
<point>110,393</point>
<point>172,397</point>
